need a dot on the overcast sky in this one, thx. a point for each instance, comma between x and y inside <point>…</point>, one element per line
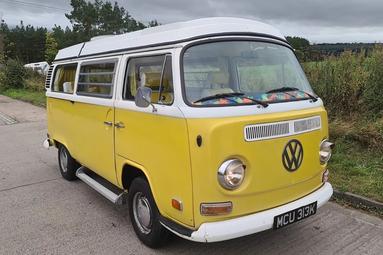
<point>317,20</point>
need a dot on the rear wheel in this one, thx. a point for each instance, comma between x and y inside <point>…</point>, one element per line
<point>144,214</point>
<point>68,165</point>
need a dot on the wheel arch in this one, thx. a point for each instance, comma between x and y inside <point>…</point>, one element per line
<point>130,171</point>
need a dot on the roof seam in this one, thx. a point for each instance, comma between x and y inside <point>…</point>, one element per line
<point>175,42</point>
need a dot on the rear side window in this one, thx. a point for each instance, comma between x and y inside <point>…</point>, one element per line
<point>64,78</point>
<point>153,72</point>
<point>96,79</point>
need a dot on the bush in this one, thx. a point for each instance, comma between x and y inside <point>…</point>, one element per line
<point>351,84</point>
<point>13,75</point>
<point>340,82</point>
<point>34,81</point>
<point>2,78</point>
<point>367,134</point>
<point>373,94</point>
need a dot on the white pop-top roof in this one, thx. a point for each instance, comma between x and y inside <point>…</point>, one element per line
<point>170,33</point>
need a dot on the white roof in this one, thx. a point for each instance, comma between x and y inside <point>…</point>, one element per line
<point>170,33</point>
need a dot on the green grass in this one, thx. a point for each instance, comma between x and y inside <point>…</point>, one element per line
<point>356,168</point>
<point>34,97</point>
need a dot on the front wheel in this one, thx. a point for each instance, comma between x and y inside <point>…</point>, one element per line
<point>144,214</point>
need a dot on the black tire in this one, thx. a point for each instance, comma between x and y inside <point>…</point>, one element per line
<point>150,232</point>
<point>68,165</point>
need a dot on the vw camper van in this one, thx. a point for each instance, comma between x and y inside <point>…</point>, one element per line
<point>207,129</point>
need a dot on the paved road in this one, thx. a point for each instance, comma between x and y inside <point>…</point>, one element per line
<point>43,214</point>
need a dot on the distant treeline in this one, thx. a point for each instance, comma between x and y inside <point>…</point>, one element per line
<point>307,52</point>
<point>335,49</point>
<point>28,44</point>
<point>34,44</point>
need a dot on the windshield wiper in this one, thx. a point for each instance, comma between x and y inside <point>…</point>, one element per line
<point>287,89</point>
<point>234,94</point>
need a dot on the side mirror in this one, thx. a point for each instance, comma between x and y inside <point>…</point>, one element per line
<point>143,98</point>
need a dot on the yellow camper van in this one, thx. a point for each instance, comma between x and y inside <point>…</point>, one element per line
<point>208,129</point>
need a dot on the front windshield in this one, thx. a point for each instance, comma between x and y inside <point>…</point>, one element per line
<point>235,72</point>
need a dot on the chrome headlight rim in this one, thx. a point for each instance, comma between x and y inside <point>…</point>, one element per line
<point>325,151</point>
<point>222,174</point>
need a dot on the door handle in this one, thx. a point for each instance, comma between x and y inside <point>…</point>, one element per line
<point>108,123</point>
<point>119,125</point>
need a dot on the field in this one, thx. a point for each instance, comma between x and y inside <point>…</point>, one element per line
<point>354,167</point>
<point>352,88</point>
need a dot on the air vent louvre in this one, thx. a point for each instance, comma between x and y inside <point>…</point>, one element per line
<point>281,129</point>
<point>49,77</point>
<point>306,124</point>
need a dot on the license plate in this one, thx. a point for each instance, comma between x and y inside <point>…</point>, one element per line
<point>295,215</point>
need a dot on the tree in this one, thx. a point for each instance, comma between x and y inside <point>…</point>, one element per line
<point>84,17</point>
<point>153,23</point>
<point>25,43</point>
<point>34,44</point>
<point>298,43</point>
<point>100,18</point>
<point>51,47</point>
<point>67,37</point>
<point>302,48</point>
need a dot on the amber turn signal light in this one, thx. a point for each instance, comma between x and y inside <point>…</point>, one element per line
<point>212,209</point>
<point>177,204</point>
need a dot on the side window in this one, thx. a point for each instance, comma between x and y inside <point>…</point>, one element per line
<point>96,79</point>
<point>152,72</point>
<point>64,78</point>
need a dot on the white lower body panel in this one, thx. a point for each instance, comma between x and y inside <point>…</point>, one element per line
<point>250,224</point>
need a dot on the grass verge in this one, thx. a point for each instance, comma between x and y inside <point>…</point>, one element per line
<point>357,162</point>
<point>34,97</point>
<point>374,212</point>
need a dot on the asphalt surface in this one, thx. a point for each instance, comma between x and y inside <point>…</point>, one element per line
<point>41,213</point>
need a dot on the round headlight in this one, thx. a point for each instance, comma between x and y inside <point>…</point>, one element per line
<point>325,151</point>
<point>231,174</point>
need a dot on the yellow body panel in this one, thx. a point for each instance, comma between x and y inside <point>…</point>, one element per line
<point>80,127</point>
<point>60,125</point>
<point>267,183</point>
<point>159,146</point>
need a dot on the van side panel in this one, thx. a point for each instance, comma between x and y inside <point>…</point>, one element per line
<point>80,127</point>
<point>93,140</point>
<point>160,145</point>
<point>267,183</point>
<point>59,117</point>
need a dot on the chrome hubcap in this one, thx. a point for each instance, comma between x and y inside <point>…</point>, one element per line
<point>64,160</point>
<point>142,212</point>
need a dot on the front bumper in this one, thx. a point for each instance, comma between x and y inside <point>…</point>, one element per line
<point>257,222</point>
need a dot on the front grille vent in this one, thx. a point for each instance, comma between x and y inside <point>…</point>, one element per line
<point>281,129</point>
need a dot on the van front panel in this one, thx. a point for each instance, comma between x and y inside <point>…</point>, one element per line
<point>267,183</point>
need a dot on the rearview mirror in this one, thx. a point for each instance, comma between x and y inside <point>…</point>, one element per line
<point>143,98</point>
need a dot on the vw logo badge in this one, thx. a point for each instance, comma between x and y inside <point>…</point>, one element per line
<point>292,156</point>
